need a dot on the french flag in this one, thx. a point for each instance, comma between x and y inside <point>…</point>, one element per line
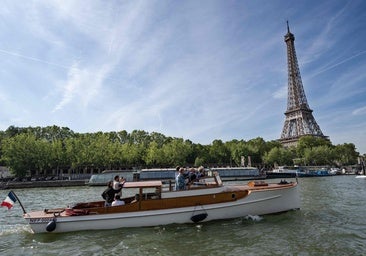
<point>9,200</point>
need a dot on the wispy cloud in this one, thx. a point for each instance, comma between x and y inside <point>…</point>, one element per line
<point>82,86</point>
<point>14,54</point>
<point>359,111</point>
<point>199,70</point>
<point>281,93</point>
<point>345,87</point>
<point>71,88</point>
<point>338,63</point>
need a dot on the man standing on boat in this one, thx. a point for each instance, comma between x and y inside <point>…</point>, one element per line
<point>180,181</point>
<point>118,184</point>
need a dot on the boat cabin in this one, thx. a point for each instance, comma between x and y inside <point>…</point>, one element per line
<point>147,191</point>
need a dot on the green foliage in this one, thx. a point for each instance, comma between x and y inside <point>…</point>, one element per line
<point>154,155</point>
<point>219,153</point>
<point>176,152</point>
<point>199,161</point>
<point>346,154</point>
<point>279,156</point>
<point>319,155</point>
<point>238,150</point>
<point>307,142</point>
<point>24,153</point>
<point>33,151</point>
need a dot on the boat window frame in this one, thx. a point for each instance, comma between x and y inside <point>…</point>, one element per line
<point>141,185</point>
<point>218,179</point>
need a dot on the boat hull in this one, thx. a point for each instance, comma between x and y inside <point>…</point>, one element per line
<point>258,201</point>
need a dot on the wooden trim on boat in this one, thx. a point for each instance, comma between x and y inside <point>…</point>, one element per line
<point>145,204</point>
<point>171,203</point>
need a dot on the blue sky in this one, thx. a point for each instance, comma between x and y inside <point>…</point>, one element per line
<point>197,70</point>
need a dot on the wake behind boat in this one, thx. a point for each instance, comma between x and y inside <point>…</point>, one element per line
<point>205,200</point>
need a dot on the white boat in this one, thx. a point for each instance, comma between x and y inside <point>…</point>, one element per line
<point>238,173</point>
<point>285,172</point>
<point>361,177</point>
<point>154,205</point>
<point>363,172</point>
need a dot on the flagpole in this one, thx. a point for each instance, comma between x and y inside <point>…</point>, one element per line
<point>21,205</point>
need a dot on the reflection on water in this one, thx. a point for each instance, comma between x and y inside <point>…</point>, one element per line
<point>331,222</point>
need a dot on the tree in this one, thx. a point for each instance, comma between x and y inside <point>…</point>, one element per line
<point>199,161</point>
<point>58,159</point>
<point>23,154</point>
<point>176,152</point>
<point>219,153</point>
<point>279,156</point>
<point>46,150</point>
<point>345,154</point>
<point>239,149</point>
<point>321,155</point>
<point>159,138</point>
<point>201,154</point>
<point>133,154</point>
<point>155,155</point>
<point>257,147</point>
<point>307,142</point>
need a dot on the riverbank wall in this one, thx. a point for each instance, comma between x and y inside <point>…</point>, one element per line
<point>39,184</point>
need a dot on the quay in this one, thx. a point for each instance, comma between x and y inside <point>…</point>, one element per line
<point>40,184</point>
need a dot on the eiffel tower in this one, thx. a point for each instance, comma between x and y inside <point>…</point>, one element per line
<point>299,119</point>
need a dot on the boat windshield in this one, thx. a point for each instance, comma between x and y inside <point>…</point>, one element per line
<point>218,180</point>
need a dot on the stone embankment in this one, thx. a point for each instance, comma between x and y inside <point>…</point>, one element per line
<point>39,184</point>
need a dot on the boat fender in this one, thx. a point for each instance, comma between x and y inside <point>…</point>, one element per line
<point>51,226</point>
<point>199,217</point>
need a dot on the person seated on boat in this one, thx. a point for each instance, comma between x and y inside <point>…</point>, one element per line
<point>200,172</point>
<point>117,201</point>
<point>180,181</point>
<point>192,175</point>
<point>108,194</point>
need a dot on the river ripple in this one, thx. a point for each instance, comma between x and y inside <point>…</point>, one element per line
<point>331,222</point>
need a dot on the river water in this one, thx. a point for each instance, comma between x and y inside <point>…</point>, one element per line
<point>331,221</point>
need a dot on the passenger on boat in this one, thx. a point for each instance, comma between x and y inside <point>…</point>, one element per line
<point>118,184</point>
<point>180,181</point>
<point>117,201</point>
<point>108,194</point>
<point>201,172</point>
<point>192,175</point>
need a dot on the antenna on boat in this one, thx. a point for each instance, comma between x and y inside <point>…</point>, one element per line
<point>21,205</point>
